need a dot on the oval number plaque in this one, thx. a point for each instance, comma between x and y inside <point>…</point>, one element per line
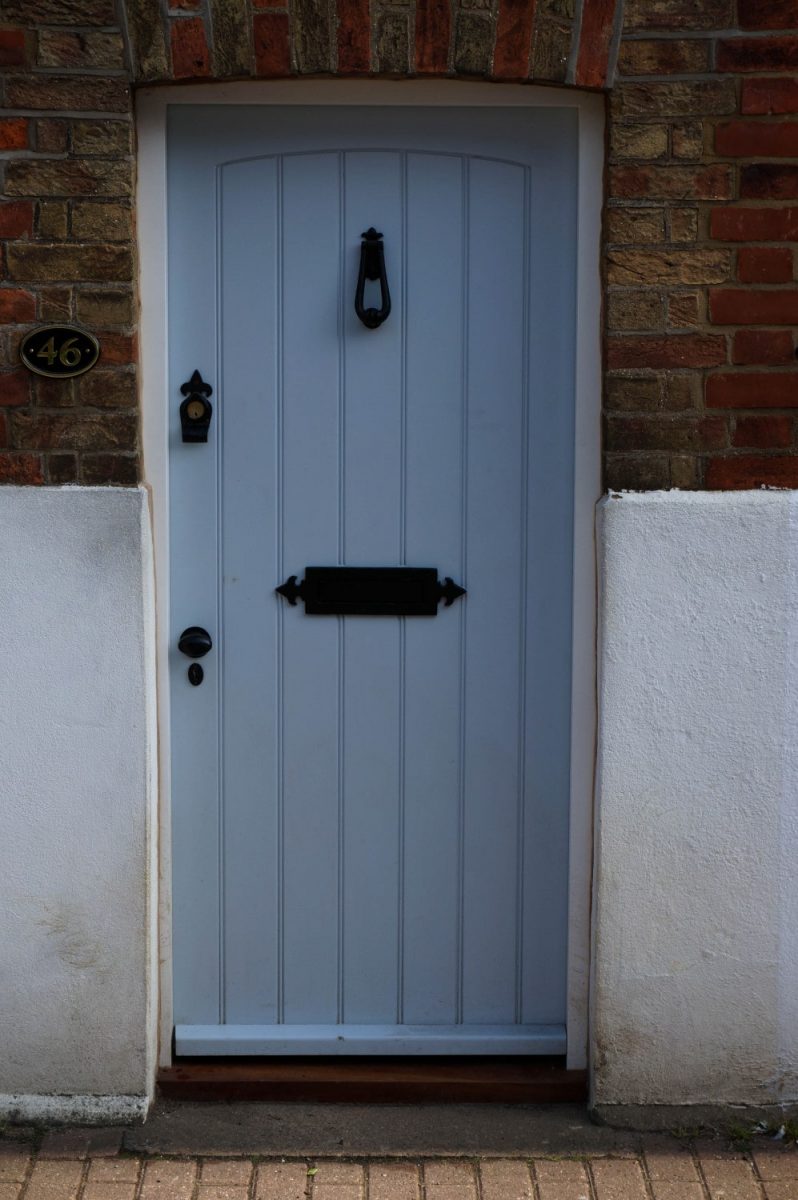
<point>59,351</point>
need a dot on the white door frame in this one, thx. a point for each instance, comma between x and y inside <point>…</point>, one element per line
<point>151,111</point>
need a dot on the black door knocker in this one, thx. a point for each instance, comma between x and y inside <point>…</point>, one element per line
<point>372,266</point>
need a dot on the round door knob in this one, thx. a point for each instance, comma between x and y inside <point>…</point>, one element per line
<point>195,642</point>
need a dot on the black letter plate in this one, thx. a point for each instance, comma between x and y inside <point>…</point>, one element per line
<point>371,591</point>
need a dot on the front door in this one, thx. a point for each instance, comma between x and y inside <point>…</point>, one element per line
<point>370,805</point>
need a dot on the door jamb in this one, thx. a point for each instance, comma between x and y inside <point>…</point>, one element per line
<point>151,111</point>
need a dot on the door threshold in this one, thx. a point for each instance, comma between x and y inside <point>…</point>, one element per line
<point>370,1041</point>
<point>376,1080</point>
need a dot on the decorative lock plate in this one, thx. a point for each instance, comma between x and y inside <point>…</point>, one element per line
<point>196,410</point>
<point>371,591</point>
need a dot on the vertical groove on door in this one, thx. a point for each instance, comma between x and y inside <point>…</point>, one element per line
<point>220,687</point>
<point>461,782</point>
<point>400,899</point>
<point>342,292</point>
<point>403,380</point>
<point>341,814</point>
<point>280,574</point>
<point>342,316</point>
<point>524,585</point>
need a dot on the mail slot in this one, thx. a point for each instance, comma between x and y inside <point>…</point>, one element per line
<point>371,591</point>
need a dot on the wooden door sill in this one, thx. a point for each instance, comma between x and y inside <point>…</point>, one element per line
<point>539,1080</point>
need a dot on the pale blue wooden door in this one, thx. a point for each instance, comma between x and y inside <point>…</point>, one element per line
<point>370,814</point>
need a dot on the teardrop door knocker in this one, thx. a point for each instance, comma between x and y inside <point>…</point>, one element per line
<point>372,266</point>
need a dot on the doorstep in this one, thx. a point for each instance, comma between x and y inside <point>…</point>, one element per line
<point>441,1079</point>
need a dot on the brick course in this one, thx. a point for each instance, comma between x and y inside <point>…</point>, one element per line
<point>702,201</point>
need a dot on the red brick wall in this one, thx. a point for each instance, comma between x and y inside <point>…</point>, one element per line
<point>66,239</point>
<point>702,204</point>
<point>701,302</point>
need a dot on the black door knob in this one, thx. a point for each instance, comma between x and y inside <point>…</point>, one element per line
<point>195,642</point>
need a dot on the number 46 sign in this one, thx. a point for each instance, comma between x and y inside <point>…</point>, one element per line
<point>59,351</point>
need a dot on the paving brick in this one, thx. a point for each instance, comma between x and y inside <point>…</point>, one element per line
<point>221,1191</point>
<point>114,1170</point>
<point>281,1181</point>
<point>618,1180</point>
<point>103,1190</point>
<point>14,1161</point>
<point>168,1179</point>
<point>781,1190</point>
<point>677,1191</point>
<point>338,1174</point>
<point>730,1179</point>
<point>449,1173</point>
<point>450,1180</point>
<point>394,1181</point>
<point>55,1180</point>
<point>667,1159</point>
<point>228,1174</point>
<point>338,1181</point>
<point>505,1179</point>
<point>771,1163</point>
<point>561,1180</point>
<point>9,1190</point>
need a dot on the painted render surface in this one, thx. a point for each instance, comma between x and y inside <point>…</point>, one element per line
<point>695,991</point>
<point>75,702</point>
<point>695,986</point>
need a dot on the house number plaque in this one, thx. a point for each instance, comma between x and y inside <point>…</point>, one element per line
<point>59,351</point>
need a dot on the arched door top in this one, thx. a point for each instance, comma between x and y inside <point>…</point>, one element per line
<point>572,42</point>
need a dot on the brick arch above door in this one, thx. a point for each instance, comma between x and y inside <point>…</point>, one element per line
<point>545,41</point>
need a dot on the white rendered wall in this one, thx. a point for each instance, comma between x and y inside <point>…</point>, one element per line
<point>695,977</point>
<point>77,1009</point>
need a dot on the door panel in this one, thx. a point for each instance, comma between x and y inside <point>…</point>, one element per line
<point>435,444</point>
<point>249,663</point>
<point>370,814</point>
<point>372,486</point>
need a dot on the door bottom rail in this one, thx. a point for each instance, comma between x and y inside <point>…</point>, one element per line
<point>274,1040</point>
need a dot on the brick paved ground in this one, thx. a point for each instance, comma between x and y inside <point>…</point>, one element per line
<point>90,1165</point>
